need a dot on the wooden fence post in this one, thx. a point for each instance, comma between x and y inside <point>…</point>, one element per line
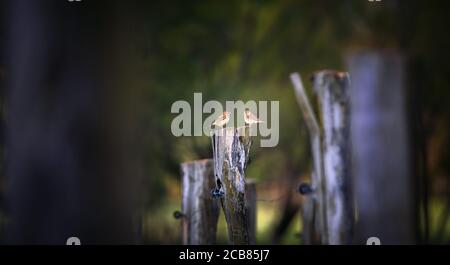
<point>383,179</point>
<point>250,203</point>
<point>231,148</point>
<point>71,166</point>
<point>332,88</point>
<point>310,235</point>
<point>200,211</point>
<point>318,201</point>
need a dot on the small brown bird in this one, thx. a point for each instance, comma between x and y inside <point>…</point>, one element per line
<point>250,118</point>
<point>222,120</point>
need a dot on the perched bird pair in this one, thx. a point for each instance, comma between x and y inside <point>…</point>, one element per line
<point>249,118</point>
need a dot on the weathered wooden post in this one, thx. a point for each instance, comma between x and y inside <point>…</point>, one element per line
<point>250,204</point>
<point>200,211</point>
<point>310,234</point>
<point>231,148</point>
<point>71,168</point>
<point>318,200</point>
<point>332,88</point>
<point>379,132</point>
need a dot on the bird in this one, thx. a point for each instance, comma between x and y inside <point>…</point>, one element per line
<point>222,120</point>
<point>250,118</point>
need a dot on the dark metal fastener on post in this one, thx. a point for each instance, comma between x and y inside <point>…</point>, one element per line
<point>178,215</point>
<point>305,189</point>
